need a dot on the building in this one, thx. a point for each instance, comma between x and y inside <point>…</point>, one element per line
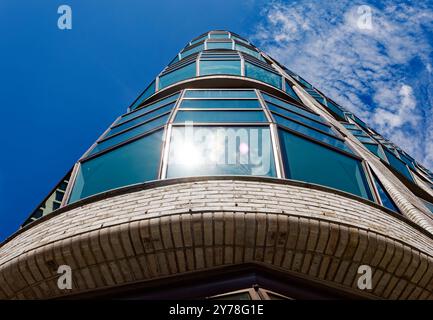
<point>231,177</point>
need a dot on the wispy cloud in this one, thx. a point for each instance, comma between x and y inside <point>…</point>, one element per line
<point>382,73</point>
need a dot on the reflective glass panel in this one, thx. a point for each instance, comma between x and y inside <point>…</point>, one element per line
<point>375,149</point>
<point>221,116</point>
<point>384,196</point>
<point>219,35</point>
<point>143,110</point>
<point>232,67</point>
<point>308,161</point>
<point>188,71</point>
<point>249,51</point>
<point>132,163</point>
<point>258,73</point>
<point>298,117</point>
<point>312,133</point>
<point>190,51</point>
<point>131,133</point>
<point>293,108</point>
<point>219,45</point>
<point>291,92</point>
<point>198,151</point>
<point>335,109</point>
<point>143,118</point>
<point>398,165</point>
<point>364,139</point>
<point>220,94</point>
<point>146,94</point>
<point>222,103</point>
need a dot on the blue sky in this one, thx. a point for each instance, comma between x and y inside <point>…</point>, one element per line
<point>60,89</point>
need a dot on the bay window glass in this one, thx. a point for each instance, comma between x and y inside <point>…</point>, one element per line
<point>230,67</point>
<point>220,94</point>
<point>219,45</point>
<point>146,109</point>
<point>135,162</point>
<point>398,165</point>
<point>255,72</point>
<point>185,72</point>
<point>146,94</point>
<point>308,161</point>
<point>124,136</point>
<point>199,151</point>
<point>384,196</point>
<point>220,103</point>
<point>209,116</point>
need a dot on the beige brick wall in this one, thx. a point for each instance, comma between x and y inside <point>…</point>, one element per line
<point>148,234</point>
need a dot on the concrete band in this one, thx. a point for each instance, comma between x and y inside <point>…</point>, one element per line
<point>189,226</point>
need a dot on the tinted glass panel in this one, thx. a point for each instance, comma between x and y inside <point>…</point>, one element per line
<point>295,116</point>
<point>293,108</point>
<point>384,196</point>
<point>199,39</point>
<point>132,163</point>
<point>312,133</point>
<point>190,51</point>
<point>249,51</point>
<point>198,151</point>
<point>220,67</point>
<point>220,103</point>
<point>146,117</point>
<point>336,110</point>
<point>131,133</point>
<point>258,73</point>
<point>364,139</point>
<point>375,149</point>
<point>143,110</point>
<point>219,35</point>
<point>308,161</point>
<point>398,165</point>
<point>183,73</point>
<point>221,116</point>
<point>219,45</point>
<point>220,94</point>
<point>290,92</point>
<point>146,94</point>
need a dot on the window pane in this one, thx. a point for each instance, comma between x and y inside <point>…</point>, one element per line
<point>375,149</point>
<point>208,67</point>
<point>258,73</point>
<point>312,133</point>
<point>219,45</point>
<point>384,196</point>
<point>292,107</point>
<point>188,71</point>
<point>308,161</point>
<point>219,35</point>
<point>131,133</point>
<point>221,116</point>
<point>190,51</point>
<point>398,165</point>
<point>146,117</point>
<point>249,51</point>
<point>364,139</point>
<point>198,151</point>
<point>336,110</point>
<point>220,94</point>
<point>295,116</point>
<point>146,94</point>
<point>132,163</point>
<point>155,105</point>
<point>199,39</point>
<point>290,92</point>
<point>232,103</point>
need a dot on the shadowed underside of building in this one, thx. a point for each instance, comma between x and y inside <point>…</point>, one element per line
<point>230,177</point>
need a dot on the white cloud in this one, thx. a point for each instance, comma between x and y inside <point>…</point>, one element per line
<point>323,43</point>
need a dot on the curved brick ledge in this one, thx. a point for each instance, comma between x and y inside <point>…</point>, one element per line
<point>188,225</point>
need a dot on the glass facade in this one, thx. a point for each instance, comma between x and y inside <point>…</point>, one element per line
<point>214,126</point>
